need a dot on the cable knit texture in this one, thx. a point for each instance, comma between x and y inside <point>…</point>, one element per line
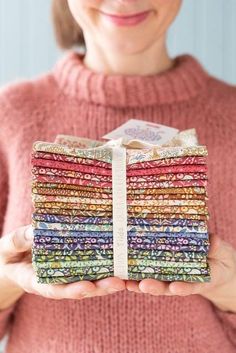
<point>74,100</point>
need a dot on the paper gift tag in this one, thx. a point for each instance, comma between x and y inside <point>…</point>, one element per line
<point>143,130</point>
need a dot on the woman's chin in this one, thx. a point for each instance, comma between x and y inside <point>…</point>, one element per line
<point>124,43</point>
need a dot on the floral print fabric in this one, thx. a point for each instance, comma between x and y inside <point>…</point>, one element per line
<point>72,220</point>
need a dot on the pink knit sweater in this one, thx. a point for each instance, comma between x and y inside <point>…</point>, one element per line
<point>74,100</point>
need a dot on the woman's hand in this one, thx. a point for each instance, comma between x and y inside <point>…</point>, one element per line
<point>17,274</point>
<point>221,291</point>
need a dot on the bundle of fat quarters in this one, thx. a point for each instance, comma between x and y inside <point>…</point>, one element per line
<point>167,234</point>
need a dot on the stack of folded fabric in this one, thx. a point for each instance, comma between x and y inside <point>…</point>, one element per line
<point>166,203</point>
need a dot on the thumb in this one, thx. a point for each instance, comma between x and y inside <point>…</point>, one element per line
<point>220,249</point>
<point>215,244</point>
<point>17,241</point>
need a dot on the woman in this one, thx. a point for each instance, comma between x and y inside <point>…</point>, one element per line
<point>125,72</point>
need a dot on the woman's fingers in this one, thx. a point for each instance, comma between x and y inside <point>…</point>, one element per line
<point>221,259</point>
<point>148,286</point>
<point>154,287</point>
<point>133,286</point>
<point>219,249</point>
<point>222,262</point>
<point>77,290</point>
<point>16,242</point>
<point>109,285</point>
<point>24,276</point>
<point>220,274</point>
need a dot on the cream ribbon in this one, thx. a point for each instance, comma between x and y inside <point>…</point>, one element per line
<point>119,204</point>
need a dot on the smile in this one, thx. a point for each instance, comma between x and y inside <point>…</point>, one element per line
<point>127,20</point>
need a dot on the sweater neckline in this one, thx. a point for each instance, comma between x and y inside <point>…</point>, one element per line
<point>185,80</point>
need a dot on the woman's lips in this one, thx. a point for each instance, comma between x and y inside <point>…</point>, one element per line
<point>130,20</point>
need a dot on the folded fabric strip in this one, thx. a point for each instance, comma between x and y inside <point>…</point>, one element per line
<point>99,154</point>
<point>65,228</point>
<point>155,153</point>
<point>154,197</point>
<point>167,184</point>
<point>72,258</point>
<point>168,222</point>
<point>166,177</point>
<point>66,186</point>
<point>108,208</point>
<point>190,160</point>
<point>37,171</point>
<point>51,218</point>
<point>169,190</point>
<point>70,199</point>
<point>169,247</point>
<point>132,269</point>
<point>39,239</point>
<point>132,246</point>
<point>131,240</point>
<point>71,193</point>
<point>84,168</point>
<point>73,212</point>
<point>167,254</point>
<point>87,201</point>
<point>72,246</point>
<point>73,181</point>
<point>188,216</point>
<point>71,159</point>
<point>132,253</point>
<point>92,234</point>
<point>174,271</point>
<point>162,170</point>
<point>87,252</point>
<point>71,279</point>
<point>64,272</point>
<point>131,262</point>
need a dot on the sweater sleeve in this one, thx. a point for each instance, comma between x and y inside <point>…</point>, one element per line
<point>228,321</point>
<point>5,315</point>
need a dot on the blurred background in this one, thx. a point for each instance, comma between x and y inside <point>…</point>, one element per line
<point>204,28</point>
